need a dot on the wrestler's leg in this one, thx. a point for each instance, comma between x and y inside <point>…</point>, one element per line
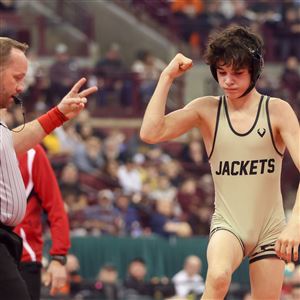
<point>266,277</point>
<point>224,255</point>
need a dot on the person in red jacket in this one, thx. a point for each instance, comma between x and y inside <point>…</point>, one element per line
<point>43,194</point>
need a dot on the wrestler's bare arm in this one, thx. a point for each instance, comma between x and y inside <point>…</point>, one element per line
<point>158,127</point>
<point>287,125</point>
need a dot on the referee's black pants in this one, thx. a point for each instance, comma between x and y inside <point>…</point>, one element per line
<point>12,285</point>
<point>31,273</point>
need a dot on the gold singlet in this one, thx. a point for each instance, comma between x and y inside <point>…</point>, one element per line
<point>246,169</point>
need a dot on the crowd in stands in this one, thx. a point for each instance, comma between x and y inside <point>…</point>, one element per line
<point>114,184</point>
<point>193,20</point>
<point>136,285</point>
<point>186,284</point>
<point>126,87</point>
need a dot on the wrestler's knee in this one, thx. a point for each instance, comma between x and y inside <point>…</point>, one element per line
<point>219,278</point>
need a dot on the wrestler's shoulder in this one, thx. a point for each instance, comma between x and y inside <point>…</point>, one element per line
<point>278,106</point>
<point>206,102</point>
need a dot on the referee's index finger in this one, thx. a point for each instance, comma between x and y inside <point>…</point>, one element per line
<point>77,86</point>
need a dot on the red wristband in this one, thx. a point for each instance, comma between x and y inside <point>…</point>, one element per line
<point>52,119</point>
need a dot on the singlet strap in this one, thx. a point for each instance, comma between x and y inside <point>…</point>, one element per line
<point>216,127</point>
<point>270,127</point>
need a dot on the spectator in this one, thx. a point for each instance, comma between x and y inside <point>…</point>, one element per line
<point>188,281</point>
<point>163,222</point>
<point>110,72</point>
<point>211,19</point>
<point>129,213</point>
<point>107,285</point>
<point>156,155</point>
<point>102,218</point>
<point>290,79</point>
<point>196,200</point>
<point>71,188</point>
<point>68,138</point>
<point>164,191</point>
<point>62,73</point>
<point>264,85</point>
<point>192,155</point>
<point>187,196</point>
<point>129,176</point>
<point>195,211</point>
<point>136,286</point>
<point>86,130</point>
<point>114,145</point>
<point>241,16</point>
<point>150,175</point>
<point>289,32</point>
<point>76,213</point>
<point>88,157</point>
<point>186,13</point>
<point>110,173</point>
<point>173,169</point>
<point>163,288</point>
<point>148,68</point>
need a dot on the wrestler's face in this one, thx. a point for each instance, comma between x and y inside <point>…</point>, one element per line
<point>233,82</point>
<point>12,76</point>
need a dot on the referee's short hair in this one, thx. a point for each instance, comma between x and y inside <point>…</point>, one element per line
<point>6,45</point>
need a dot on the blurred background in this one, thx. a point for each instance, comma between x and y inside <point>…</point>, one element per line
<point>119,192</point>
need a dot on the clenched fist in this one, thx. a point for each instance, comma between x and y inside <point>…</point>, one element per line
<point>178,65</point>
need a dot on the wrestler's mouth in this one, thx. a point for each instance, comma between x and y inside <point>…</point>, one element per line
<point>231,90</point>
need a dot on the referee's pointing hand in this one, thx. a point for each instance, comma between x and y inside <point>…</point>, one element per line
<point>74,102</point>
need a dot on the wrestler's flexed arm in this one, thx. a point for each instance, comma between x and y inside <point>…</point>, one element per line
<point>157,126</point>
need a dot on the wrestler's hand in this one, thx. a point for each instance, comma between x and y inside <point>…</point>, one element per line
<point>178,65</point>
<point>74,102</point>
<point>287,245</point>
<point>56,275</point>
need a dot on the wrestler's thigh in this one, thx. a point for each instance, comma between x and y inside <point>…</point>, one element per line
<point>224,251</point>
<point>266,277</point>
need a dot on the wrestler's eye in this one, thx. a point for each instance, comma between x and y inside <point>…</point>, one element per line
<point>238,73</point>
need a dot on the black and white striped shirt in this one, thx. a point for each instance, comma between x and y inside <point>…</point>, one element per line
<point>12,189</point>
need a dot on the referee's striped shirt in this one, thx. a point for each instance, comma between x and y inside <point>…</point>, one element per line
<point>12,189</point>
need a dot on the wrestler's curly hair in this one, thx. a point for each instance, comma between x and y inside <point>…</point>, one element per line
<point>235,46</point>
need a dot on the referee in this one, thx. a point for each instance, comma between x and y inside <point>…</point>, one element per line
<point>13,68</point>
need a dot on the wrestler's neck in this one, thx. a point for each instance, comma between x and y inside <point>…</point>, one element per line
<point>246,102</point>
